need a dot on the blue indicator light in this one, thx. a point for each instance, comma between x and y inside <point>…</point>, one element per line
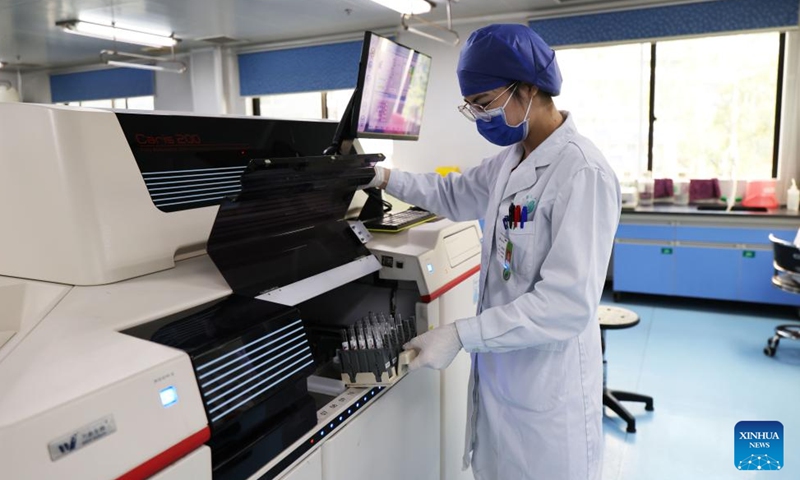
<point>322,433</point>
<point>358,405</point>
<point>340,419</point>
<point>430,268</point>
<point>365,399</point>
<point>331,425</point>
<point>169,396</point>
<point>349,411</point>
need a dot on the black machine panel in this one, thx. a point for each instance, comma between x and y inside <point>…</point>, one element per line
<point>251,359</point>
<point>287,223</point>
<point>190,161</point>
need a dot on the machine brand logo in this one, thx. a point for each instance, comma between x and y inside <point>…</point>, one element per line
<point>75,440</point>
<point>68,447</point>
<point>758,445</point>
<point>176,139</point>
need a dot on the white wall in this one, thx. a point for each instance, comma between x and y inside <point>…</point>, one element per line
<point>236,103</point>
<point>208,89</point>
<point>174,90</point>
<point>447,138</point>
<point>11,77</point>
<point>35,87</point>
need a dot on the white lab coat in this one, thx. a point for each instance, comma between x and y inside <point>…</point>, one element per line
<point>535,401</point>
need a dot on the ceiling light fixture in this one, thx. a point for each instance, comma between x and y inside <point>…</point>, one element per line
<point>453,41</point>
<point>157,64</point>
<point>117,34</point>
<point>406,7</point>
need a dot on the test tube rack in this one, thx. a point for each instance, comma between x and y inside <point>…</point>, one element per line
<point>381,365</point>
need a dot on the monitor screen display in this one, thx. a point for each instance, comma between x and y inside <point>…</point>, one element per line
<point>393,81</point>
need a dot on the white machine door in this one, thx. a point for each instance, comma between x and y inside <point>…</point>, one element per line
<point>396,438</point>
<point>459,302</point>
<point>309,469</point>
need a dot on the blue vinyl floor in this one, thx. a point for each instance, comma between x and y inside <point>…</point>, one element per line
<point>703,363</point>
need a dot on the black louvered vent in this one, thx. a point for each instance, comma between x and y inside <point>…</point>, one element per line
<point>253,371</point>
<point>192,188</point>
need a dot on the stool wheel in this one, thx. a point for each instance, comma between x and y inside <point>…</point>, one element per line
<point>772,346</point>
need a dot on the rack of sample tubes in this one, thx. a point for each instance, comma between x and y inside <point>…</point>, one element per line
<point>372,350</point>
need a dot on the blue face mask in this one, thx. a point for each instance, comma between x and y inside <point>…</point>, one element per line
<point>498,131</point>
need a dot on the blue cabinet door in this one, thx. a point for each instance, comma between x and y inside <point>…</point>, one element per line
<point>706,272</point>
<point>643,268</point>
<point>755,280</point>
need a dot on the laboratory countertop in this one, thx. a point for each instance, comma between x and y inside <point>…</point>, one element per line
<point>692,210</point>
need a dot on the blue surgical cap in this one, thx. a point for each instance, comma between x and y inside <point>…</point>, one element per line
<point>498,55</point>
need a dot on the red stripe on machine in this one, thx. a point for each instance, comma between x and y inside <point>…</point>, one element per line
<point>450,285</point>
<point>168,456</point>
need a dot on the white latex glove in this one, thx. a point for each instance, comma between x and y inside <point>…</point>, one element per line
<point>380,179</point>
<point>435,348</point>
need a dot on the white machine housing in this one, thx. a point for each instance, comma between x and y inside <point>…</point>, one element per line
<point>443,259</point>
<point>80,209</point>
<point>87,255</point>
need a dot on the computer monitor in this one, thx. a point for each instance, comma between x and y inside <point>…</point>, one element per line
<point>392,82</point>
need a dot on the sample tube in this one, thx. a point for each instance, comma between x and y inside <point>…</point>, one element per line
<point>353,338</point>
<point>345,342</point>
<point>362,342</point>
<point>369,337</point>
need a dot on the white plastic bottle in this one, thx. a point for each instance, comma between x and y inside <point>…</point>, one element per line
<point>630,194</point>
<point>681,188</point>
<point>646,189</point>
<point>793,198</point>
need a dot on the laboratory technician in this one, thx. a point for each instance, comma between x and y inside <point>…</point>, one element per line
<point>551,205</point>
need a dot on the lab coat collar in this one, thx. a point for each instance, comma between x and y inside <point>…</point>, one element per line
<point>524,177</point>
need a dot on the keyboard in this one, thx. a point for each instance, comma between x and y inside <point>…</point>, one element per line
<point>397,222</point>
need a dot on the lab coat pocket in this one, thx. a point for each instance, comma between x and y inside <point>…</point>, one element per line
<point>524,243</point>
<point>535,378</point>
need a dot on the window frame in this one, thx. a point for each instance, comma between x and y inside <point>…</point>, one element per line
<point>778,104</point>
<point>255,105</point>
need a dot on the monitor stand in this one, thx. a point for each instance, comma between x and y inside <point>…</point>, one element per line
<point>345,132</point>
<point>373,208</point>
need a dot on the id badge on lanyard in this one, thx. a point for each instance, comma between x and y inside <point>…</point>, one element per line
<point>507,260</point>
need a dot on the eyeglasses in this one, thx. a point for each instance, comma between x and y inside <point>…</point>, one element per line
<point>475,112</point>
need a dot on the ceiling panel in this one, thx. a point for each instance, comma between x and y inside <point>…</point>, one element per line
<point>27,27</point>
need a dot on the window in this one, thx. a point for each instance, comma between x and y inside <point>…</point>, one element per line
<point>293,106</point>
<point>713,105</point>
<point>315,106</point>
<point>607,91</point>
<point>133,103</point>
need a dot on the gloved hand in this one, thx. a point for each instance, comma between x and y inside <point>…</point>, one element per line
<point>435,348</point>
<point>380,179</point>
